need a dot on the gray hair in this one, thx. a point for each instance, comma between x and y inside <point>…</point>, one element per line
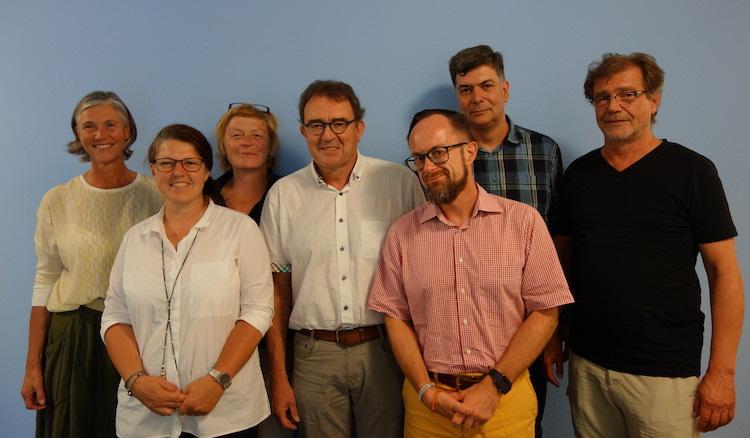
<point>96,98</point>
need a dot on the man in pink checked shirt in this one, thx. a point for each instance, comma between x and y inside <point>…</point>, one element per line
<point>470,285</point>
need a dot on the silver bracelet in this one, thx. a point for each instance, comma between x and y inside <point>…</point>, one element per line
<point>127,379</point>
<point>132,382</point>
<point>423,390</point>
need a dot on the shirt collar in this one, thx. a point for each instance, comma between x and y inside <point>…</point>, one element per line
<point>513,138</point>
<point>354,177</point>
<point>514,135</point>
<point>484,203</point>
<point>157,226</point>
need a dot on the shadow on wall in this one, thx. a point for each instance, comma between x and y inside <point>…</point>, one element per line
<point>441,96</point>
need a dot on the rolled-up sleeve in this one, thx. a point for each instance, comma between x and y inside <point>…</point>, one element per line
<point>256,283</point>
<point>115,305</point>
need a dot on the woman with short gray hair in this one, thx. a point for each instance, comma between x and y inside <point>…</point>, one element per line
<point>69,378</point>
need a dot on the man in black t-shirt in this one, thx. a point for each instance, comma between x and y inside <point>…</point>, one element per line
<point>633,217</point>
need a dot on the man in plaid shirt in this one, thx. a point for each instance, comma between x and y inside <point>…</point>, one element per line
<point>512,162</point>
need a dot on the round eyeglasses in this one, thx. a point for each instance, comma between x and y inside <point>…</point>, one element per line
<point>438,155</point>
<point>168,164</point>
<point>624,98</point>
<point>337,126</point>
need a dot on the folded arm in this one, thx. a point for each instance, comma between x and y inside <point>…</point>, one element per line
<point>157,394</point>
<point>405,346</point>
<point>523,349</point>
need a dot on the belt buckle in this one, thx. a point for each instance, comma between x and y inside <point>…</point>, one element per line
<point>338,330</point>
<point>474,377</point>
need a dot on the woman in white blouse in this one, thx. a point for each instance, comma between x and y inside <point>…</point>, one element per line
<point>190,297</point>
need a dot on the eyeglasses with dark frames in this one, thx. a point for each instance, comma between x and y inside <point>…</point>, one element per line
<point>262,108</point>
<point>337,126</point>
<point>624,99</point>
<point>169,164</point>
<point>438,155</point>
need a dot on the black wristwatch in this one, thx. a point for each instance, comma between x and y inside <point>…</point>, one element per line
<point>501,381</point>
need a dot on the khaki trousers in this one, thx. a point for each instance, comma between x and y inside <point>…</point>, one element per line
<point>610,404</point>
<point>337,386</point>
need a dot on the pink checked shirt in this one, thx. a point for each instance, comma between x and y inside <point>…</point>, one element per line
<point>467,289</point>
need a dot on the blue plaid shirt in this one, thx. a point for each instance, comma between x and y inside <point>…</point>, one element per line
<point>526,167</point>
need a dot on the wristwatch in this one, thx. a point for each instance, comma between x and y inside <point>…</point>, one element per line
<point>222,379</point>
<point>501,381</point>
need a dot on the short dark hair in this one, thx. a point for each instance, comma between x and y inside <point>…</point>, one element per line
<point>96,98</point>
<point>186,134</point>
<point>458,121</point>
<point>468,59</point>
<point>192,136</point>
<point>335,90</point>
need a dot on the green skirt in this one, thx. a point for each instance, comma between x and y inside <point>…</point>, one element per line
<point>79,379</point>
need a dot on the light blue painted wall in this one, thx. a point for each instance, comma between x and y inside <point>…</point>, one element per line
<point>183,61</point>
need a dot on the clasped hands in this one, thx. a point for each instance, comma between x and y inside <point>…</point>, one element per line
<point>467,408</point>
<point>162,397</point>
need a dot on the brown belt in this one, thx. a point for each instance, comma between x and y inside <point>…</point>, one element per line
<point>345,337</point>
<point>458,381</point>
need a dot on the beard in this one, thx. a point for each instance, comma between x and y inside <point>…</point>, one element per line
<point>445,193</point>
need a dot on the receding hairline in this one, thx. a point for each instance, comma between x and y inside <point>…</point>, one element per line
<point>453,124</point>
<point>337,99</point>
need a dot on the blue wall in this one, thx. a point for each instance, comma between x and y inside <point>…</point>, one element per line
<point>184,61</point>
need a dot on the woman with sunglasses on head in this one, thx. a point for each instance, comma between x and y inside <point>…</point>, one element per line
<point>190,297</point>
<point>69,378</point>
<point>247,143</point>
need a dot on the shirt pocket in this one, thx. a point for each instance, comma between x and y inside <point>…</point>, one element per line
<point>371,238</point>
<point>214,289</point>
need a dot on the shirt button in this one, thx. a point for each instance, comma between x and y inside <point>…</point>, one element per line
<point>465,321</point>
<point>460,260</point>
<point>493,180</point>
<point>346,307</point>
<point>468,351</point>
<point>463,291</point>
<point>344,277</point>
<point>341,249</point>
<point>341,219</point>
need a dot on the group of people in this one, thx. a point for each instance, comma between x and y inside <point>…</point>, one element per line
<point>383,315</point>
